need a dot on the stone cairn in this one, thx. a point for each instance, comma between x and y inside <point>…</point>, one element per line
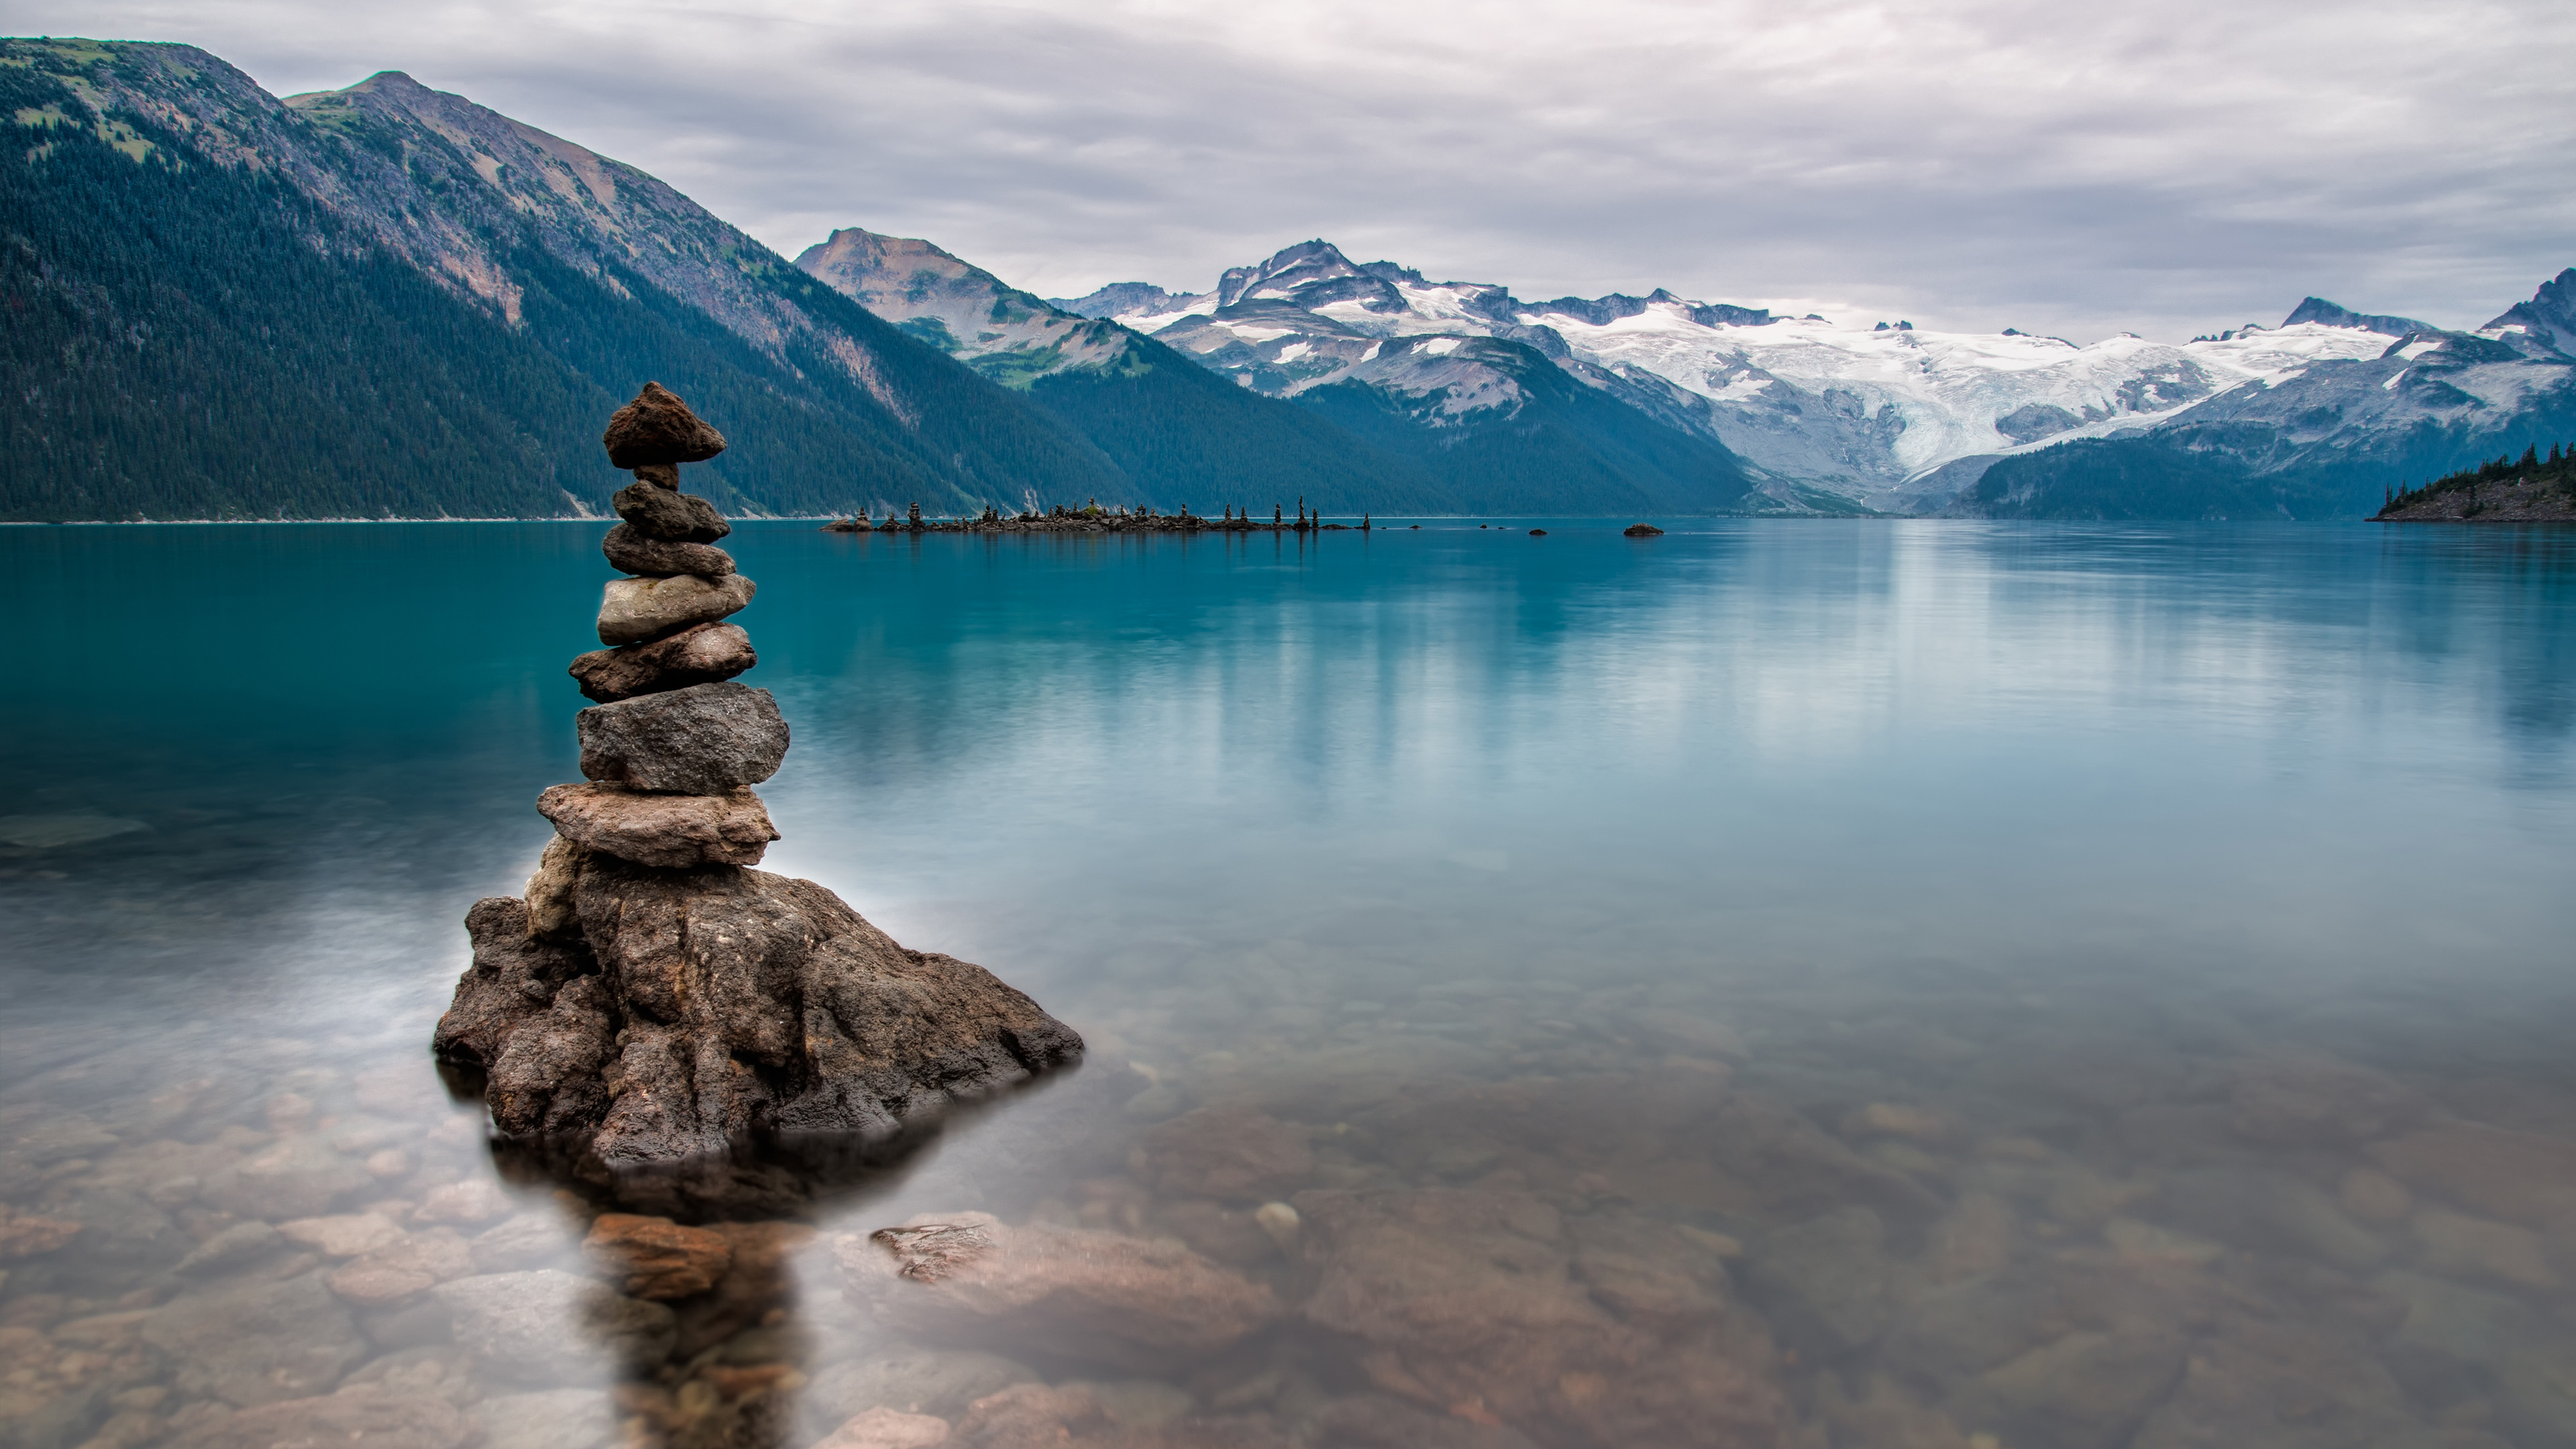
<point>653,996</point>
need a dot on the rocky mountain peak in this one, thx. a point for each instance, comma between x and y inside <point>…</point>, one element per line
<point>2549,317</point>
<point>2328,314</point>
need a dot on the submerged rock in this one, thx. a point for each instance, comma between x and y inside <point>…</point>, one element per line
<point>699,654</point>
<point>257,1343</point>
<point>883,1428</point>
<point>674,832</point>
<point>636,611</point>
<point>545,1324</point>
<point>703,1006</point>
<point>938,1382</point>
<point>1473,1300</point>
<point>367,1417</point>
<point>703,740</point>
<point>631,550</point>
<point>1229,1152</point>
<point>1087,1295</point>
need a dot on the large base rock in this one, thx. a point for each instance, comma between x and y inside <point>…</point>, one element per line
<point>703,1007</point>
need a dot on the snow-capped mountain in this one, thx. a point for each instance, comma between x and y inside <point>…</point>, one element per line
<point>1445,420</point>
<point>2323,440</point>
<point>1868,410</point>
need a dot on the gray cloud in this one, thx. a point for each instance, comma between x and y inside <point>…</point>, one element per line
<point>2163,168</point>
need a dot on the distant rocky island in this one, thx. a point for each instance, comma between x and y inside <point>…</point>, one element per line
<point>2533,489</point>
<point>1092,518</point>
<point>652,997</point>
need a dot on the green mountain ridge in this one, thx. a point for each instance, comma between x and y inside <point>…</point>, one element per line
<point>389,302</point>
<point>230,306</point>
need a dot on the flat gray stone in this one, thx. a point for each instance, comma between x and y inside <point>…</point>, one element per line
<point>635,611</point>
<point>702,740</point>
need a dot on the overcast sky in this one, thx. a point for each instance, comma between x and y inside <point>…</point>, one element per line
<point>2164,168</point>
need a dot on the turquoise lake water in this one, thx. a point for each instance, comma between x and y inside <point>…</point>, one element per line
<point>1992,985</point>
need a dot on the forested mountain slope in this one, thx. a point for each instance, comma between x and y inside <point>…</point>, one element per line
<point>387,302</point>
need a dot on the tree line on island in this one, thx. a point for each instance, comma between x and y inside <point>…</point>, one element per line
<point>2505,489</point>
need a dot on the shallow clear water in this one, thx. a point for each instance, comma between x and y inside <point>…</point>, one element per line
<point>1779,983</point>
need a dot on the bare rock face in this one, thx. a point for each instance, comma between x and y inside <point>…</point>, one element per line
<point>699,654</point>
<point>659,428</point>
<point>674,832</point>
<point>1089,1295</point>
<point>703,740</point>
<point>708,1006</point>
<point>668,514</point>
<point>636,611</point>
<point>629,550</point>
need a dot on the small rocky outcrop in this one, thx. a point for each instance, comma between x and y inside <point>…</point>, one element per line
<point>652,997</point>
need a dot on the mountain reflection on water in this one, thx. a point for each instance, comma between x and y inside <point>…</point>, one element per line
<point>1804,984</point>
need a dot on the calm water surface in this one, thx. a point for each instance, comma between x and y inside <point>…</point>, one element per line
<point>1815,984</point>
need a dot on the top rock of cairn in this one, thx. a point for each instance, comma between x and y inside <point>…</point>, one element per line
<point>652,997</point>
<point>657,430</point>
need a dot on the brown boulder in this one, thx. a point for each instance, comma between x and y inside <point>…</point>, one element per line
<point>668,515</point>
<point>699,654</point>
<point>1642,530</point>
<point>708,1004</point>
<point>1228,1152</point>
<point>638,611</point>
<point>657,1258</point>
<point>674,832</point>
<point>629,550</point>
<point>659,428</point>
<point>1088,1295</point>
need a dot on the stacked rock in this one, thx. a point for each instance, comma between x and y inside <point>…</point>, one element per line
<point>671,749</point>
<point>651,995</point>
